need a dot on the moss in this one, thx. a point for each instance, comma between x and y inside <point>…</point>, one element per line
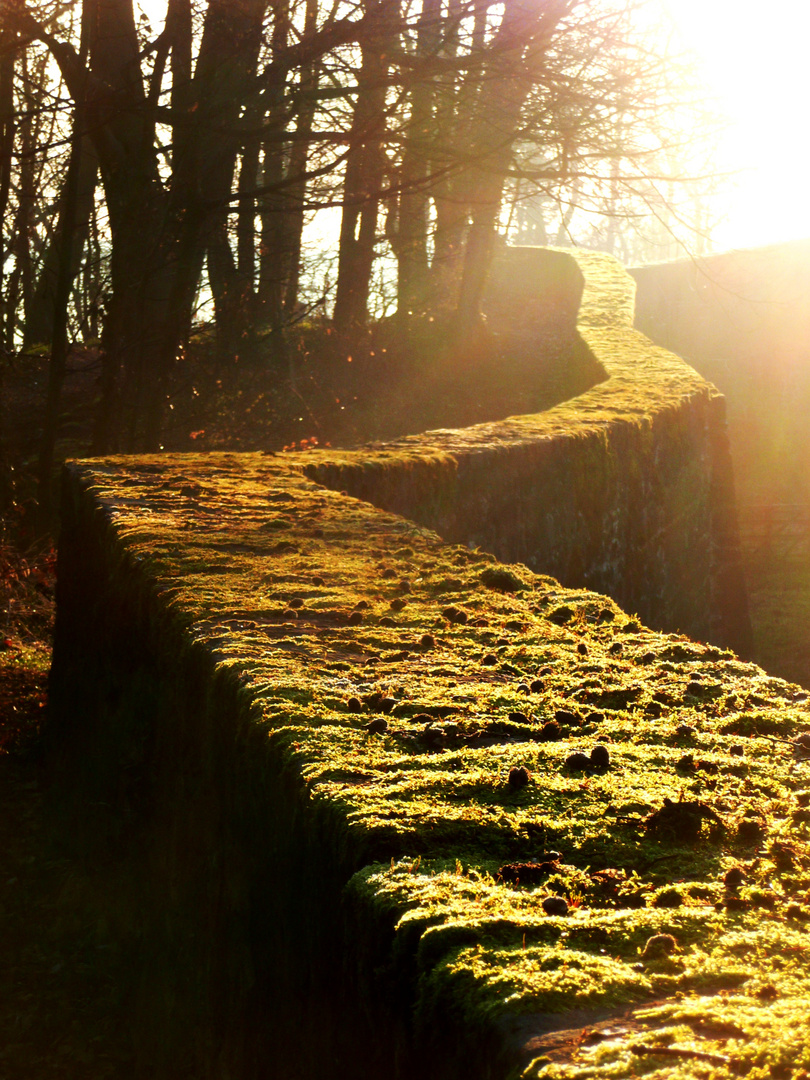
<point>230,697</point>
<point>258,678</point>
<point>587,490</point>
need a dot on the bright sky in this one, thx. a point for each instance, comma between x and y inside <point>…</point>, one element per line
<point>754,58</point>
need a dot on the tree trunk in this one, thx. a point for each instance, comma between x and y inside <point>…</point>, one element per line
<point>38,328</point>
<point>226,289</point>
<point>69,213</point>
<point>365,168</point>
<point>520,43</point>
<point>21,279</point>
<point>224,75</point>
<point>411,236</point>
<point>122,126</point>
<point>7,132</point>
<point>158,254</point>
<point>273,269</point>
<point>454,108</point>
<point>296,190</point>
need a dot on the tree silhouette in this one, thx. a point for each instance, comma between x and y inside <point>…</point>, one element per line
<point>196,156</point>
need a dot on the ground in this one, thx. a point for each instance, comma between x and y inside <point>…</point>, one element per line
<point>60,1011</point>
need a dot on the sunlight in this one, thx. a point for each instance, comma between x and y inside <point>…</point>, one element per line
<point>756,68</point>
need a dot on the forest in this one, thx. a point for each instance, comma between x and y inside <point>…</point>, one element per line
<point>212,209</point>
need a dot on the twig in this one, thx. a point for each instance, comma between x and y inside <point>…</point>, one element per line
<point>692,1055</point>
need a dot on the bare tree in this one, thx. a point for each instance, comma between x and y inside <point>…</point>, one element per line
<point>202,150</point>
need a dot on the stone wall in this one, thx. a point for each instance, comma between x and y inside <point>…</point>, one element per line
<point>626,489</point>
<point>368,803</point>
<point>364,805</point>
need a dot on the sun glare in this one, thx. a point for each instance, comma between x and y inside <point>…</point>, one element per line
<point>754,63</point>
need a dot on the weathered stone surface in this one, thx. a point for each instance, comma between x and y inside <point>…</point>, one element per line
<point>326,889</point>
<point>317,816</point>
<point>626,489</point>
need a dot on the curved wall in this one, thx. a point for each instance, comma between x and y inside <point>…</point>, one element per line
<point>315,743</point>
<point>626,489</point>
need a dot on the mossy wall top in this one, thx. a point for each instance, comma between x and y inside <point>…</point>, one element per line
<point>366,777</point>
<point>434,798</point>
<point>626,488</point>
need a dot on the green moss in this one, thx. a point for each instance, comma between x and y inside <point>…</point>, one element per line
<point>589,489</point>
<point>307,696</point>
<point>429,792</point>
